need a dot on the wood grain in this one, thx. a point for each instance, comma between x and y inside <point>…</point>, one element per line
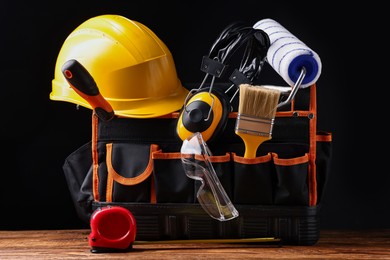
<point>73,244</point>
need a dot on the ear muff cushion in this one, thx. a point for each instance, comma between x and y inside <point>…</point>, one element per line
<point>210,130</point>
<point>194,119</point>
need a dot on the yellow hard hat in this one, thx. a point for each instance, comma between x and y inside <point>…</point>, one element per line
<point>133,69</point>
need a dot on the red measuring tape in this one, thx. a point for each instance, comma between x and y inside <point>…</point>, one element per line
<point>113,228</point>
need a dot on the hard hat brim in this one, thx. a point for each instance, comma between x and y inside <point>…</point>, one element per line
<point>156,107</point>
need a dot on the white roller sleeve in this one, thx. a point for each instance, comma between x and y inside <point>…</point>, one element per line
<point>287,54</point>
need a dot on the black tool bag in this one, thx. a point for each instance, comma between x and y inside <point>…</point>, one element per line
<point>136,164</point>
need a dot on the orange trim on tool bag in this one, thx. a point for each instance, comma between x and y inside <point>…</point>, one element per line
<point>112,175</point>
<point>257,160</point>
<point>160,155</point>
<point>197,156</point>
<point>170,115</point>
<point>289,161</point>
<point>296,113</point>
<point>220,158</point>
<point>176,155</point>
<point>313,147</point>
<point>153,198</point>
<point>324,137</point>
<point>95,158</point>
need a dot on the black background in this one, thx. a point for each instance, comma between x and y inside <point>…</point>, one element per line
<point>38,134</point>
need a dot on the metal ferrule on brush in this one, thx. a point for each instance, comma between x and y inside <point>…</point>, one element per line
<point>254,125</point>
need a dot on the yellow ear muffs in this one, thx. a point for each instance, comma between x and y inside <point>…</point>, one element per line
<point>205,112</point>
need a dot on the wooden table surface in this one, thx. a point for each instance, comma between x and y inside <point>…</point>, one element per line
<point>73,244</point>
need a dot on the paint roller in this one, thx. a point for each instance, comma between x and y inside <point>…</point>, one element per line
<point>292,59</point>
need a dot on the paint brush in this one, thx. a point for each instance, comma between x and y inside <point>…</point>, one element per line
<point>256,113</point>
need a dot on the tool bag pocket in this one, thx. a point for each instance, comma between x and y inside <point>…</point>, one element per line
<point>323,161</point>
<point>126,173</point>
<point>270,180</point>
<point>291,187</point>
<point>253,180</point>
<point>173,186</point>
<point>78,174</point>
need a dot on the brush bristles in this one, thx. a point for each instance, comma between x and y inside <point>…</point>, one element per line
<point>258,101</point>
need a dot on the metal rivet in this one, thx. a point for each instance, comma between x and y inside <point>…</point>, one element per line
<point>295,114</point>
<point>310,116</point>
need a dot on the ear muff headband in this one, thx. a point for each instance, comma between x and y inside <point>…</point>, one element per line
<point>207,110</point>
<point>254,56</point>
<point>230,40</point>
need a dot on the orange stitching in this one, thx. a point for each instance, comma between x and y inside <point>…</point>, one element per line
<point>110,179</point>
<point>95,166</point>
<point>220,158</point>
<point>259,159</point>
<point>290,161</point>
<point>324,137</point>
<point>170,156</point>
<point>313,148</point>
<point>165,156</point>
<point>153,198</point>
